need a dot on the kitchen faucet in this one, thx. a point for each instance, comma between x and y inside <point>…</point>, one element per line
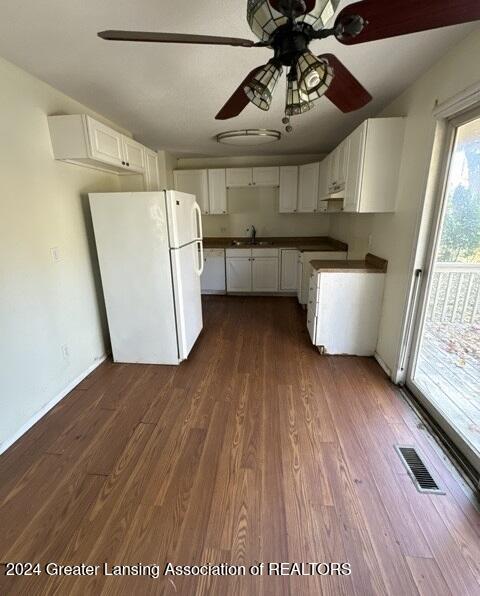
<point>253,234</point>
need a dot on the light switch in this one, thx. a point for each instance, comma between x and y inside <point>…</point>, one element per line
<point>56,254</point>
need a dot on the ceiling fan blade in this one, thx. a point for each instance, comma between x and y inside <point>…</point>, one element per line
<point>238,101</point>
<point>287,7</point>
<point>399,17</point>
<point>174,38</point>
<point>345,91</point>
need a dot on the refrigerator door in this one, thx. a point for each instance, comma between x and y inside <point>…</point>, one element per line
<point>187,265</point>
<point>184,219</point>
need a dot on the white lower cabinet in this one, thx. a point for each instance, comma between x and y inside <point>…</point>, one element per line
<point>288,279</point>
<point>265,274</point>
<point>305,269</point>
<point>252,270</point>
<point>213,276</point>
<point>239,274</point>
<point>344,311</point>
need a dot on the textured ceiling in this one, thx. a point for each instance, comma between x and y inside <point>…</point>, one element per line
<point>168,95</point>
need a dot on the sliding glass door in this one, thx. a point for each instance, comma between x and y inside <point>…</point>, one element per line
<point>444,371</point>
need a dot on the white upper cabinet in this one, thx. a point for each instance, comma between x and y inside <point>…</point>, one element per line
<point>375,152</point>
<point>288,195</point>
<point>134,155</point>
<point>217,191</point>
<point>308,187</point>
<point>106,144</point>
<point>266,176</point>
<point>152,175</point>
<point>239,177</point>
<point>82,140</point>
<point>323,184</point>
<point>194,182</point>
<point>337,167</point>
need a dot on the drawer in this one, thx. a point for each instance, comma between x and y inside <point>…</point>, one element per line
<point>239,252</point>
<point>313,294</point>
<point>214,252</point>
<point>265,252</point>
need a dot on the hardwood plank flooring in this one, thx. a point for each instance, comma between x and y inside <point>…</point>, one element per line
<point>256,449</point>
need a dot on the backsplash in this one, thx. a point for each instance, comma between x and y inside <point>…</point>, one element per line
<point>259,206</point>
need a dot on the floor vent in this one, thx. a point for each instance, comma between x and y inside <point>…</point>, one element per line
<point>417,470</point>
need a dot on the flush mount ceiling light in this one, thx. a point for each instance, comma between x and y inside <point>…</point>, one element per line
<point>252,136</point>
<point>288,27</point>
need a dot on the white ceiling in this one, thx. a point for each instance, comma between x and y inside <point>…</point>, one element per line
<point>168,95</point>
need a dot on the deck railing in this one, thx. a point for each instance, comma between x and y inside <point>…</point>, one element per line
<point>455,293</point>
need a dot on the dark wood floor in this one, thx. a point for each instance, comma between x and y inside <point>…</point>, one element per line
<point>255,449</point>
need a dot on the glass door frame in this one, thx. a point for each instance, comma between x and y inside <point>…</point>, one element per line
<point>449,128</point>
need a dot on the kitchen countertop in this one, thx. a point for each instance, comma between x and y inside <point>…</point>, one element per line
<point>303,244</point>
<point>371,264</point>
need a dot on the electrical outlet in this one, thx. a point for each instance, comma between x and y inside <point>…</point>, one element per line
<point>56,254</point>
<point>370,241</point>
<point>65,352</point>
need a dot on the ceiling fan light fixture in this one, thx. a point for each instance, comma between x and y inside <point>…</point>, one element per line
<point>321,14</point>
<point>263,19</point>
<point>260,89</point>
<point>297,100</point>
<point>314,75</point>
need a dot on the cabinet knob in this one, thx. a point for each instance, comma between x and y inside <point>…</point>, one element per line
<point>123,163</point>
<point>128,164</point>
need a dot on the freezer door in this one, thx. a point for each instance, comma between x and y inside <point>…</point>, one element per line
<point>187,265</point>
<point>184,219</point>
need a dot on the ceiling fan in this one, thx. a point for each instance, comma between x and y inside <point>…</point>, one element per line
<point>288,27</point>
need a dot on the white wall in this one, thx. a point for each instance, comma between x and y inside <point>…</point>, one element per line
<point>43,305</point>
<point>258,206</point>
<point>393,236</point>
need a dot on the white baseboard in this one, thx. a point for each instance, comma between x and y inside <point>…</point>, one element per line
<point>48,406</point>
<point>385,368</point>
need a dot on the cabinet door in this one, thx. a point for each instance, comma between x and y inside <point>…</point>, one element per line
<point>217,192</point>
<point>342,163</point>
<point>134,155</point>
<point>194,182</point>
<point>152,176</point>
<point>308,188</point>
<point>239,177</point>
<point>288,195</point>
<point>266,176</point>
<point>239,274</point>
<point>265,274</point>
<point>289,270</point>
<point>106,144</point>
<point>354,170</point>
<point>299,276</point>
<point>323,184</point>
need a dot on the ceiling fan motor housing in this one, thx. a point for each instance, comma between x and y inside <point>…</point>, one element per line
<point>288,43</point>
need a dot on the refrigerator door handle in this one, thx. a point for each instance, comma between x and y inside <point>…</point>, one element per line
<point>202,262</point>
<point>198,218</point>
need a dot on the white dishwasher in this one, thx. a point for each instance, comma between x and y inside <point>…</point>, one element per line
<point>213,276</point>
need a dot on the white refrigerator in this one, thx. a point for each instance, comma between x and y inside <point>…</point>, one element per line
<point>150,251</point>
